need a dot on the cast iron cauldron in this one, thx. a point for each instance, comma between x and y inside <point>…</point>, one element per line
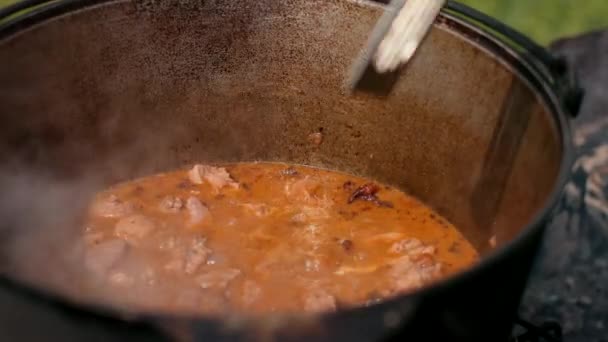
<point>96,91</point>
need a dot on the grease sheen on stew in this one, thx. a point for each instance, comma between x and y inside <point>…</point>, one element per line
<point>264,237</point>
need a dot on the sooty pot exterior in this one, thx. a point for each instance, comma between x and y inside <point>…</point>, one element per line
<point>96,92</point>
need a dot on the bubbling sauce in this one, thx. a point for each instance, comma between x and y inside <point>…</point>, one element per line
<point>264,237</point>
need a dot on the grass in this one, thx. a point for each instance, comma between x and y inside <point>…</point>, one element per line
<point>543,20</point>
<point>547,20</point>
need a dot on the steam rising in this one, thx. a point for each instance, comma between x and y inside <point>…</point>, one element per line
<point>48,178</point>
<point>40,219</point>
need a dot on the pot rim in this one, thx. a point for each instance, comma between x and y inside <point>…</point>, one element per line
<point>463,24</point>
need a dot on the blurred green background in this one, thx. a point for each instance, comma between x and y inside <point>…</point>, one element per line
<point>543,20</point>
<point>546,20</point>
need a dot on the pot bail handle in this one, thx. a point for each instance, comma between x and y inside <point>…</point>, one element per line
<point>19,6</point>
<point>562,78</point>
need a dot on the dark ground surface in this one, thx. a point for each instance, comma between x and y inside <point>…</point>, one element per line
<point>570,282</point>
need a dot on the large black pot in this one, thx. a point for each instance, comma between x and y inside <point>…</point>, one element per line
<point>99,91</point>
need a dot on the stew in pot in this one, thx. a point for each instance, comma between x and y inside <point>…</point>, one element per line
<point>264,237</point>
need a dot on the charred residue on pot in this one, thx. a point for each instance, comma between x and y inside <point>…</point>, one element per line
<point>316,138</point>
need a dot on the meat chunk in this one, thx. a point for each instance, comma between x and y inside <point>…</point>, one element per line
<point>133,271</point>
<point>196,255</point>
<point>405,276</point>
<point>100,258</point>
<point>134,228</point>
<point>186,255</point>
<point>417,267</point>
<point>196,209</point>
<point>411,247</point>
<point>171,204</point>
<point>217,177</point>
<point>111,207</point>
<point>319,300</point>
<point>195,175</point>
<point>308,191</point>
<point>409,273</point>
<point>217,278</point>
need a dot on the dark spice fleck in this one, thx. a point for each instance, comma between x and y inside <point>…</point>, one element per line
<point>348,186</point>
<point>346,244</point>
<point>367,192</point>
<point>184,184</point>
<point>385,204</point>
<point>454,248</point>
<point>138,190</point>
<point>348,215</point>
